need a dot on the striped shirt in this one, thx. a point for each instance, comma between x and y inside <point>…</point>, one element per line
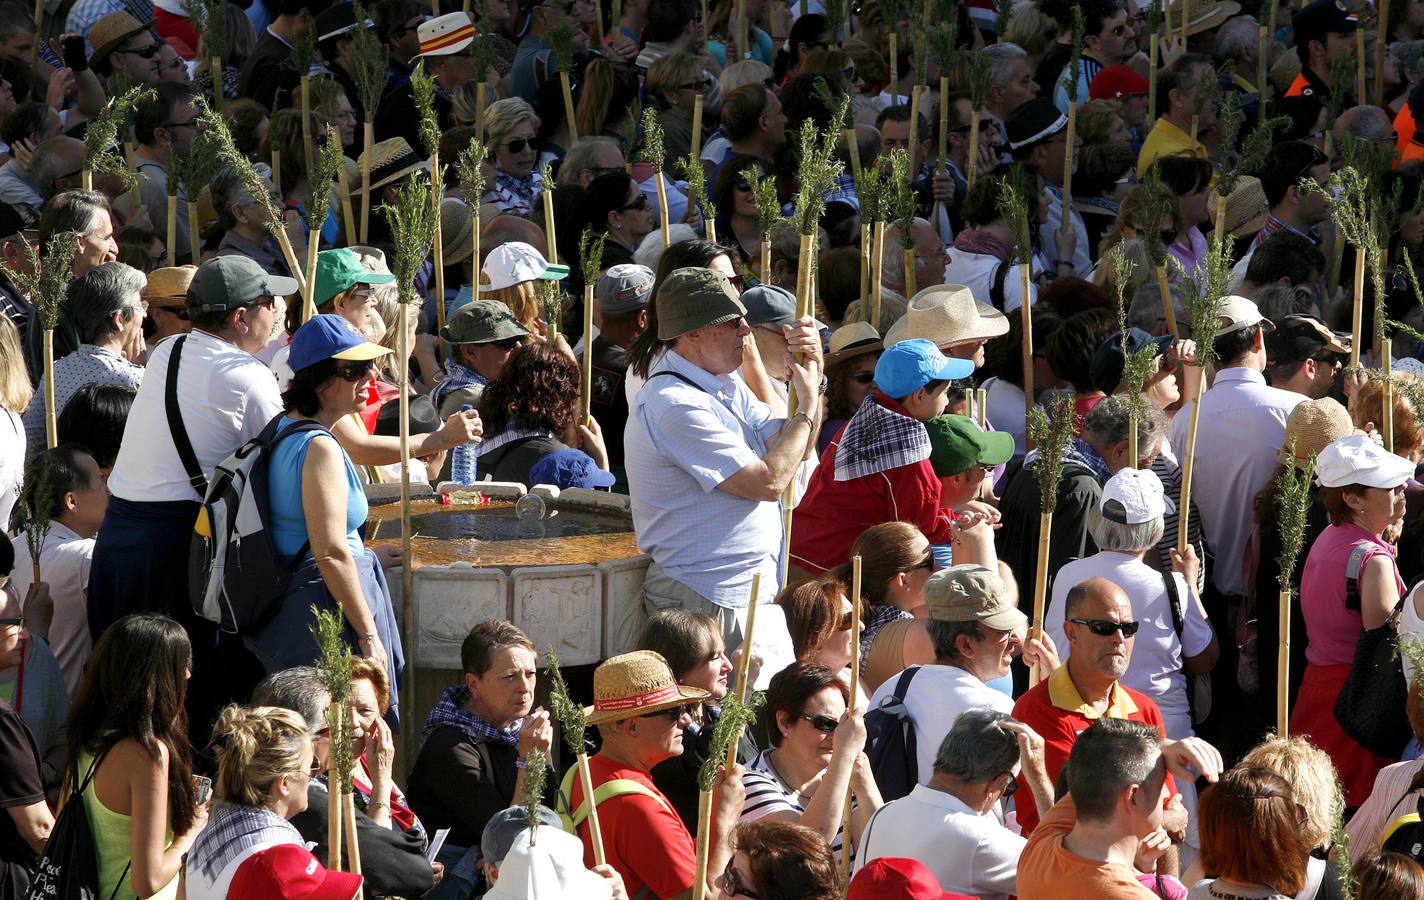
<point>767,795</point>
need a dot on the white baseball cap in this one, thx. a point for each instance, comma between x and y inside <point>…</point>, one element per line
<point>515,263</point>
<point>1238,313</point>
<point>1357,459</point>
<point>1138,494</point>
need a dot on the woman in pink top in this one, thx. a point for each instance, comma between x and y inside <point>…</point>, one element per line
<point>1362,486</point>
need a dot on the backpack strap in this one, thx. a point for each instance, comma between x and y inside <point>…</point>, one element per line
<point>1352,575</point>
<point>196,478</point>
<point>902,684</point>
<point>680,377</point>
<point>1174,603</point>
<point>996,290</point>
<point>618,787</point>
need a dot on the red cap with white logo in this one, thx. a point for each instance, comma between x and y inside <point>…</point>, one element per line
<point>290,871</point>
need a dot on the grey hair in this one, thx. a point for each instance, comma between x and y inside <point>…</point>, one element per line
<point>893,256</point>
<point>1238,34</point>
<point>944,637</point>
<point>1411,58</point>
<point>1107,424</point>
<point>1275,301</point>
<point>1121,537</point>
<point>1146,310</point>
<point>1369,123</point>
<point>228,191</point>
<point>49,166</point>
<point>98,294</point>
<point>77,211</point>
<point>1107,759</point>
<point>1001,62</point>
<point>299,689</point>
<point>978,748</point>
<point>583,155</point>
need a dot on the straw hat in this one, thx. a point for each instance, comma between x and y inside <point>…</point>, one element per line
<point>1312,426</point>
<point>1284,72</point>
<point>635,684</point>
<point>109,32</point>
<point>168,287</point>
<point>1246,207</point>
<point>1202,15</point>
<point>456,231</point>
<point>947,314</point>
<point>445,35</point>
<point>853,339</point>
<point>391,159</point>
<point>373,258</point>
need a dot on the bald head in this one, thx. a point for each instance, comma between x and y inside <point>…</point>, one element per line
<point>1087,598</point>
<point>1369,123</point>
<point>1099,603</point>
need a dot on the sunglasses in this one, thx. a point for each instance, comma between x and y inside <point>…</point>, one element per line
<point>640,204</point>
<point>672,712</point>
<point>846,620</point>
<point>701,84</point>
<point>1107,628</point>
<point>1168,235</point>
<point>148,52</point>
<point>733,886</point>
<point>863,378</point>
<point>1012,786</point>
<point>927,563</point>
<point>508,344</point>
<point>356,370</point>
<point>823,724</point>
<point>17,622</point>
<point>518,145</point>
<point>267,302</point>
<point>744,185</point>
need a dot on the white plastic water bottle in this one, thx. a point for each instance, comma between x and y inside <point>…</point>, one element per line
<point>464,459</point>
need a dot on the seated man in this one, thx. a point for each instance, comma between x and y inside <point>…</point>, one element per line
<point>878,468</point>
<point>947,824</point>
<point>1093,839</point>
<point>641,712</point>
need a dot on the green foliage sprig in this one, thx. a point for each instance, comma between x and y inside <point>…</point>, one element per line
<point>904,203</point>
<point>39,495</point>
<point>1012,204</point>
<point>1137,366</point>
<point>1050,432</point>
<point>226,152</point>
<point>303,54</point>
<point>920,55</point>
<point>1075,61</point>
<point>422,89</point>
<point>817,171</point>
<point>325,170</point>
<point>943,45</point>
<point>101,153</point>
<point>1157,201</point>
<point>370,59</point>
<point>1258,144</point>
<point>560,39</point>
<point>1292,503</point>
<point>736,717</point>
<point>1229,117</point>
<point>980,77</point>
<point>768,204</point>
<point>214,37</point>
<point>334,667</point>
<point>45,283</point>
<point>1203,295</point>
<point>536,774</point>
<point>571,715</point>
<point>697,186</point>
<point>1342,75</point>
<point>412,218</point>
<point>469,166</point>
<point>551,300</point>
<point>652,151</point>
<point>875,191</point>
<point>591,252</point>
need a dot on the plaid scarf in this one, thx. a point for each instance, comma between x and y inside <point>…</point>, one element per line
<point>451,711</point>
<point>456,377</point>
<point>232,829</point>
<point>877,439</point>
<point>1082,453</point>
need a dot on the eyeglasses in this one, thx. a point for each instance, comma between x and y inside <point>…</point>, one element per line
<point>823,724</point>
<point>508,344</point>
<point>850,74</point>
<point>356,370</point>
<point>148,52</point>
<point>17,622</point>
<point>927,563</point>
<point>743,184</point>
<point>732,884</point>
<point>672,712</point>
<point>640,204</point>
<point>846,621</point>
<point>1107,628</point>
<point>519,144</point>
<point>863,378</point>
<point>191,123</point>
<point>701,84</point>
<point>266,302</point>
<point>1012,786</point>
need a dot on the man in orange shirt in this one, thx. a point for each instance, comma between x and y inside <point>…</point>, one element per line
<point>1323,30</point>
<point>1412,147</point>
<point>1109,825</point>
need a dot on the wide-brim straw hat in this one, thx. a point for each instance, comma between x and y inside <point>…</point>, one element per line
<point>947,314</point>
<point>391,160</point>
<point>108,33</point>
<point>636,684</point>
<point>1284,71</point>
<point>1202,15</point>
<point>1246,207</point>
<point>1312,426</point>
<point>456,231</point>
<point>853,339</point>
<point>168,287</point>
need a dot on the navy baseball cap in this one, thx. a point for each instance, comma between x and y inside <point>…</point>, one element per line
<point>570,468</point>
<point>328,336</point>
<point>910,365</point>
<point>1105,371</point>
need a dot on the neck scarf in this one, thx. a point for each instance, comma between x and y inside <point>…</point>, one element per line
<point>456,377</point>
<point>984,243</point>
<point>451,711</point>
<point>232,829</point>
<point>877,439</point>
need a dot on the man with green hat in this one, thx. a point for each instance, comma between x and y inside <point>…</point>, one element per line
<point>963,455</point>
<point>707,462</point>
<point>482,335</point>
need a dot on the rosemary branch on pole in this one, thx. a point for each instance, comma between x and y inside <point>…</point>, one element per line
<point>1050,433</point>
<point>653,153</point>
<point>1012,204</point>
<point>1075,71</point>
<point>370,60</point>
<point>561,42</point>
<point>39,496</point>
<point>469,168</point>
<point>46,284</point>
<point>1292,503</point>
<point>536,774</point>
<point>979,79</point>
<point>591,260</point>
<point>768,206</point>
<point>325,169</point>
<point>423,91</point>
<point>1137,366</point>
<point>574,722</point>
<point>334,667</point>
<point>697,194</point>
<point>101,152</point>
<point>905,205</point>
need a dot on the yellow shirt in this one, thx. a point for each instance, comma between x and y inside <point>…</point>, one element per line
<point>1166,139</point>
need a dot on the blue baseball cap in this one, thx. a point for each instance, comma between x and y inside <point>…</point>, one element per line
<point>328,336</point>
<point>570,468</point>
<point>910,365</point>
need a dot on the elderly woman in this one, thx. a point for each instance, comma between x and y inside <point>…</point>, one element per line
<point>693,647</point>
<point>1367,412</point>
<point>815,753</point>
<point>1253,842</point>
<point>1363,489</point>
<point>376,793</point>
<point>393,861</point>
<point>850,375</point>
<point>510,126</point>
<point>265,765</point>
<point>509,275</point>
<point>287,136</point>
<point>782,860</point>
<point>242,219</point>
<point>674,83</point>
<point>318,506</point>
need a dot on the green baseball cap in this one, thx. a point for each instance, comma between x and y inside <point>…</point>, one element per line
<point>337,270</point>
<point>693,297</point>
<point>229,282</point>
<point>481,322</point>
<point>957,445</point>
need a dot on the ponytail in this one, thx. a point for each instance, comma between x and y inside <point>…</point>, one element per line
<point>255,746</point>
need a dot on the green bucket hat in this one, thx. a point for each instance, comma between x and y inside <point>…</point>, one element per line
<point>957,445</point>
<point>692,298</point>
<point>481,322</point>
<point>337,270</point>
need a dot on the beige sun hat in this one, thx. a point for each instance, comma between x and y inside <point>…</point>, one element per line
<point>635,684</point>
<point>947,314</point>
<point>168,287</point>
<point>391,159</point>
<point>1246,207</point>
<point>853,339</point>
<point>1313,425</point>
<point>108,33</point>
<point>1202,15</point>
<point>456,231</point>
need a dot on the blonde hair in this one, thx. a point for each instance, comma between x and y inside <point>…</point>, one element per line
<point>1095,120</point>
<point>748,71</point>
<point>522,301</point>
<point>255,746</point>
<point>16,391</point>
<point>1368,406</point>
<point>1312,778</point>
<point>385,317</point>
<point>670,73</point>
<point>1030,29</point>
<point>503,116</point>
<point>374,672</point>
<point>464,102</point>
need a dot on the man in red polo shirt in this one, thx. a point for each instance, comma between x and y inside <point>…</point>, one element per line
<point>641,711</point>
<point>878,468</point>
<point>1099,627</point>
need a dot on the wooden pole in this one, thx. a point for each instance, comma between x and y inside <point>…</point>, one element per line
<point>741,30</point>
<point>216,65</point>
<point>195,236</point>
<point>1040,586</point>
<point>348,219</point>
<point>438,245</point>
<point>914,143</point>
<point>597,23</point>
<point>855,624</point>
<point>704,839</point>
<point>1263,52</point>
<point>853,154</point>
<point>172,230</point>
<point>1026,317</point>
<point>86,178</point>
<point>1357,310</point>
<point>306,123</point>
<point>569,106</point>
<point>369,142</point>
<point>943,147</point>
<point>51,427</point>
<point>594,830</point>
<point>1169,311</point>
<point>867,242</point>
<point>1152,42</point>
<point>1387,397</point>
<point>1189,458</point>
<point>1196,127</point>
<point>277,172</point>
<point>309,291</point>
<point>480,91</point>
<point>35,52</point>
<point>587,360</point>
<point>353,846</point>
<point>803,308</point>
<point>334,817</point>
<point>766,261</point>
<point>551,237</point>
<point>981,406</point>
<point>407,557</point>
<point>697,127</point>
<point>909,273</point>
<point>894,67</point>
<point>1066,224</point>
<point>973,168</point>
<point>1283,668</point>
<point>663,207</point>
<point>877,275</point>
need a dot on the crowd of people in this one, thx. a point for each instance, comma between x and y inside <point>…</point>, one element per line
<point>1195,715</point>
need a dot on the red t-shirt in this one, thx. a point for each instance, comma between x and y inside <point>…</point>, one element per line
<point>1054,709</point>
<point>643,839</point>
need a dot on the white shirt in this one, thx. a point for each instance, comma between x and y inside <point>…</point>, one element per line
<point>767,795</point>
<point>1156,665</point>
<point>12,464</point>
<point>968,853</point>
<point>88,364</point>
<point>1082,264</point>
<point>1005,409</point>
<point>1243,413</point>
<point>976,271</point>
<point>1389,799</point>
<point>937,695</point>
<point>64,564</point>
<point>226,397</point>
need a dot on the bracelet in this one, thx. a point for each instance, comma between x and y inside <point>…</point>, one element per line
<point>800,414</point>
<point>1063,262</point>
<point>376,804</point>
<point>521,763</point>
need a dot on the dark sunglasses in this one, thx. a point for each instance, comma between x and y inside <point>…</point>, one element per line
<point>148,52</point>
<point>640,204</point>
<point>743,185</point>
<point>732,884</point>
<point>863,378</point>
<point>823,724</point>
<point>518,144</point>
<point>927,563</point>
<point>1106,628</point>
<point>267,302</point>
<point>847,619</point>
<point>507,344</point>
<point>18,622</point>
<point>1168,236</point>
<point>1012,786</point>
<point>672,712</point>
<point>356,370</point>
<point>701,84</point>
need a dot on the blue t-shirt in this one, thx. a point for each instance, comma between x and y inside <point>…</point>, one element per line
<point>284,482</point>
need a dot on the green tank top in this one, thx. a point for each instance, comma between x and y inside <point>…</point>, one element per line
<point>112,841</point>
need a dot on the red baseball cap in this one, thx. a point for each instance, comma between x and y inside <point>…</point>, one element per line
<point>890,878</point>
<point>1115,82</point>
<point>291,872</point>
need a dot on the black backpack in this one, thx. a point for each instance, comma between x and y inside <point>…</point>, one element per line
<point>890,742</point>
<point>69,868</point>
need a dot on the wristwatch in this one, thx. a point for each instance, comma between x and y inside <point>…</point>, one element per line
<point>825,382</point>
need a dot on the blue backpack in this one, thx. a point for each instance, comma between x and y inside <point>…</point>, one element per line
<point>890,742</point>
